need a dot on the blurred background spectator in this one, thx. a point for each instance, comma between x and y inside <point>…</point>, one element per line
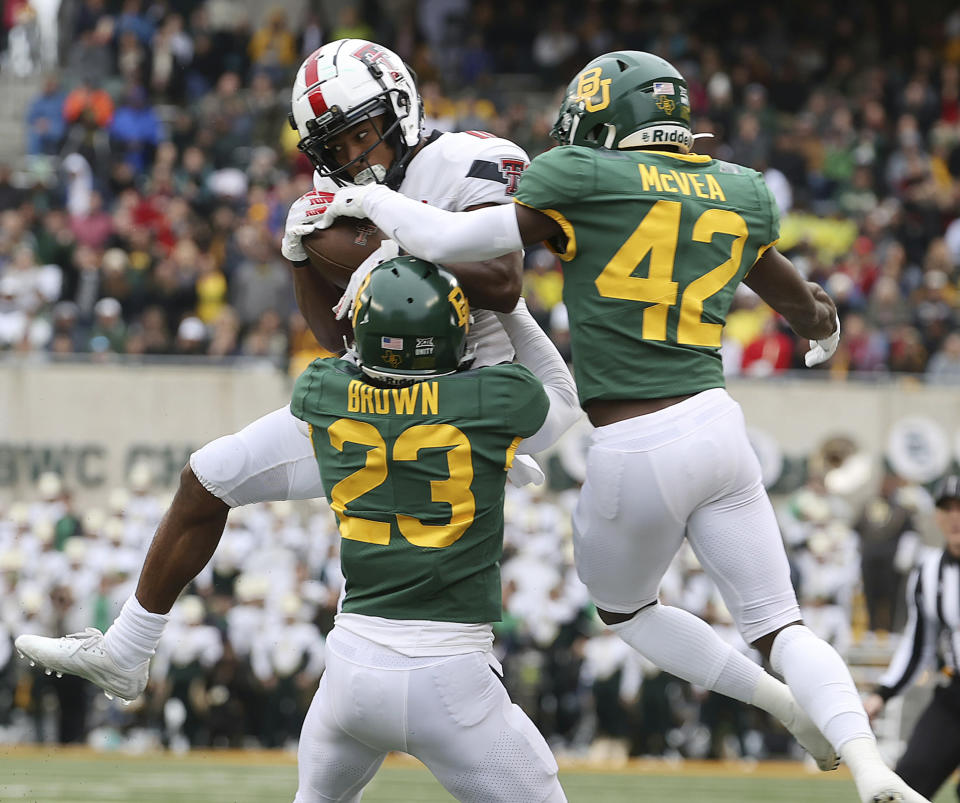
<point>141,217</point>
<point>164,124</point>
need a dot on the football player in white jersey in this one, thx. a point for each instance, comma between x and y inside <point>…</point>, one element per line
<point>360,117</point>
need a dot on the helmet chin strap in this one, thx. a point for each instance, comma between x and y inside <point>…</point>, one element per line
<point>371,174</point>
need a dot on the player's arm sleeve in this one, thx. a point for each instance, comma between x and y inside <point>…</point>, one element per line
<point>492,176</point>
<point>536,351</point>
<point>917,648</point>
<point>440,236</point>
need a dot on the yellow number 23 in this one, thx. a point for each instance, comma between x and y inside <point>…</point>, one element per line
<point>454,490</point>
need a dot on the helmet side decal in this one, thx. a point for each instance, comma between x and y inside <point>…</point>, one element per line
<point>593,90</point>
<point>317,103</point>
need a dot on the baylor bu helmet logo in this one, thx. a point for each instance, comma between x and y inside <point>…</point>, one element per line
<point>511,170</point>
<point>666,104</point>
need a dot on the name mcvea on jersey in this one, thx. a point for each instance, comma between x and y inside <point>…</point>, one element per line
<point>416,477</point>
<point>634,261</point>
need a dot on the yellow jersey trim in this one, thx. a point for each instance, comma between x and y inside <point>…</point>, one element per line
<point>697,158</point>
<point>760,252</point>
<point>571,248</point>
<point>511,452</point>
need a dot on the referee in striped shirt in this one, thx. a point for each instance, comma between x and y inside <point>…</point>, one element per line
<point>932,635</point>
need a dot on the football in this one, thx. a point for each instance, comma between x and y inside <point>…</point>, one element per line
<point>337,251</point>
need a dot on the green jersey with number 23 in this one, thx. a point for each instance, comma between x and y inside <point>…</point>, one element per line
<point>656,244</point>
<point>415,476</point>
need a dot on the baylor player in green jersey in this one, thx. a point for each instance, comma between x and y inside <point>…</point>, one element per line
<point>415,473</point>
<point>413,449</point>
<point>634,279</point>
<point>654,241</point>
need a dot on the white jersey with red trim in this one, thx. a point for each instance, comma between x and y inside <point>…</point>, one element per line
<point>455,171</point>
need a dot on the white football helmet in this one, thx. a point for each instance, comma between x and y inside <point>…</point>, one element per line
<point>347,81</point>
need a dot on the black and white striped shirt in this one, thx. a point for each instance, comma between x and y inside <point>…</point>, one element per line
<point>932,635</point>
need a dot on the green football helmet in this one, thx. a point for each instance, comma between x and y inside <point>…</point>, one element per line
<point>626,99</point>
<point>410,321</point>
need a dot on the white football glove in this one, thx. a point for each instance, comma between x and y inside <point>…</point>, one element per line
<point>388,250</point>
<point>301,220</point>
<point>347,202</point>
<point>822,350</point>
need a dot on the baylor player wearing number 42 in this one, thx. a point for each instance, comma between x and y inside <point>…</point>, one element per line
<point>654,240</point>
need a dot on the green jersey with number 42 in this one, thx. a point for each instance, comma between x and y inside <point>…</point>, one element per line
<point>415,476</point>
<point>656,244</point>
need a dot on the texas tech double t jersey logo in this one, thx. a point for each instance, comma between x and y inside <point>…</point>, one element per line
<point>505,170</point>
<point>511,170</point>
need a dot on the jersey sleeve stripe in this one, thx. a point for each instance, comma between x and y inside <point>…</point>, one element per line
<point>571,249</point>
<point>761,251</point>
<point>512,452</point>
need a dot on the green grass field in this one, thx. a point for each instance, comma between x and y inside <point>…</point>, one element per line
<point>49,776</point>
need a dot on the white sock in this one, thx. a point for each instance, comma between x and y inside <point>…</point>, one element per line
<point>821,684</point>
<point>861,755</point>
<point>773,697</point>
<point>686,646</point>
<point>134,634</point>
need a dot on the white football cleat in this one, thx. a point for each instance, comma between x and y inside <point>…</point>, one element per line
<point>883,785</point>
<point>811,740</point>
<point>85,655</point>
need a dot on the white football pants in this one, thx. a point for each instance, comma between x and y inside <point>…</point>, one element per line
<point>269,460</point>
<point>687,470</point>
<point>272,460</point>
<point>450,712</point>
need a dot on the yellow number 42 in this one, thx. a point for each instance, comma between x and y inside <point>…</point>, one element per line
<point>657,235</point>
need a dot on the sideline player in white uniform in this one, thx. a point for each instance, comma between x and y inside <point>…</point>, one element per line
<point>360,118</point>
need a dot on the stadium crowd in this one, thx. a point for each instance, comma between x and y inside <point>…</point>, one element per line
<point>147,217</point>
<point>245,649</point>
<point>146,220</point>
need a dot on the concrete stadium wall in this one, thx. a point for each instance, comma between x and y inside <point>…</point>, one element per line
<point>92,423</point>
<point>802,413</point>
